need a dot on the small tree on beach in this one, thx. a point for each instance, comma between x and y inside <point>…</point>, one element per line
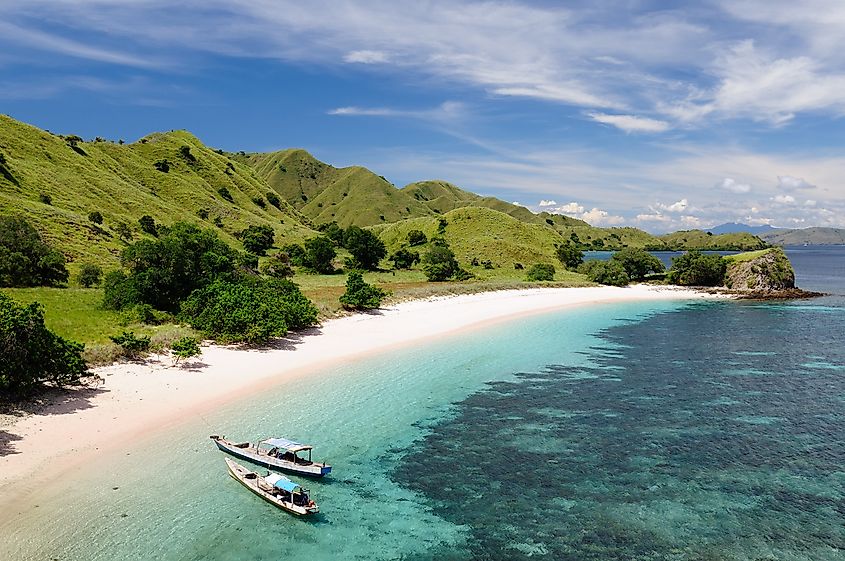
<point>184,348</point>
<point>359,295</point>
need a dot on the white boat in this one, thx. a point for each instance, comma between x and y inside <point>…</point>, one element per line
<point>276,453</point>
<point>275,489</point>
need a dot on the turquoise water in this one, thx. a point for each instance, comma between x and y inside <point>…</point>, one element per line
<point>644,431</point>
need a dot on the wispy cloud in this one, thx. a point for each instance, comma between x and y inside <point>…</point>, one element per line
<point>631,123</point>
<point>448,111</point>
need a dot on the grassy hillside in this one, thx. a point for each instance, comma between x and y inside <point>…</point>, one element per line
<point>57,181</point>
<point>323,193</point>
<point>812,236</point>
<point>699,239</point>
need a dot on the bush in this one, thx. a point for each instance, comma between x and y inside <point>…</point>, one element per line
<point>89,275</point>
<point>132,345</point>
<point>333,232</point>
<point>605,272</point>
<point>439,264</point>
<point>123,231</point>
<point>273,199</point>
<point>183,348</point>
<point>318,255</point>
<point>637,262</point>
<point>96,217</point>
<point>251,310</point>
<point>148,225</point>
<point>541,272</point>
<point>698,269</point>
<point>569,255</point>
<point>203,214</point>
<point>404,258</point>
<point>224,192</point>
<point>366,248</point>
<point>162,166</point>
<point>185,152</point>
<point>259,200</point>
<point>45,199</point>
<point>296,253</point>
<point>32,354</point>
<point>416,237</point>
<point>277,266</point>
<point>359,295</point>
<point>25,260</point>
<point>257,239</point>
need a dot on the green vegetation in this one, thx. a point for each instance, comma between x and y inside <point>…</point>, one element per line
<point>698,269</point>
<point>359,295</point>
<point>439,263</point>
<point>540,272</point>
<point>25,260</point>
<point>638,263</point>
<point>318,255</point>
<point>89,275</point>
<point>184,348</point>
<point>278,266</point>
<point>570,255</point>
<point>605,272</point>
<point>257,239</point>
<point>366,248</point>
<point>404,258</point>
<point>704,241</point>
<point>132,345</point>
<point>32,354</point>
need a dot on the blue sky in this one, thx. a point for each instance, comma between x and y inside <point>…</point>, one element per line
<point>660,115</point>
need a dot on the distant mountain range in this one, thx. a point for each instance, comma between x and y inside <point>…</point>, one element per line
<point>786,236</point>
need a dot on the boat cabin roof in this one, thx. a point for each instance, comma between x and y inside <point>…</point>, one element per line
<point>286,444</point>
<point>282,482</point>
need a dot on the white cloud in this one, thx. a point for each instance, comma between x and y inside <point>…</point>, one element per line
<point>679,206</point>
<point>545,203</point>
<point>572,208</point>
<point>732,185</point>
<point>366,57</point>
<point>630,123</point>
<point>789,183</point>
<point>656,217</point>
<point>445,112</point>
<point>809,202</point>
<point>598,217</point>
<point>784,199</point>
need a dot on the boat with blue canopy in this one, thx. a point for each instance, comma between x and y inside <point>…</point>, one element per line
<point>277,453</point>
<point>276,489</point>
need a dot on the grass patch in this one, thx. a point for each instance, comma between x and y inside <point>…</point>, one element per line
<point>747,256</point>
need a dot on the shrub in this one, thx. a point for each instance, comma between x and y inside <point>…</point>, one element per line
<point>185,152</point>
<point>296,253</point>
<point>318,255</point>
<point>131,344</point>
<point>698,269</point>
<point>45,198</point>
<point>366,248</point>
<point>259,200</point>
<point>257,239</point>
<point>224,192</point>
<point>416,237</point>
<point>203,214</point>
<point>25,260</point>
<point>32,354</point>
<point>89,275</point>
<point>404,258</point>
<point>251,310</point>
<point>273,199</point>
<point>162,166</point>
<point>541,272</point>
<point>605,272</point>
<point>148,225</point>
<point>277,266</point>
<point>439,264</point>
<point>183,348</point>
<point>569,255</point>
<point>96,217</point>
<point>441,225</point>
<point>359,295</point>
<point>637,262</point>
<point>123,231</point>
<point>334,232</point>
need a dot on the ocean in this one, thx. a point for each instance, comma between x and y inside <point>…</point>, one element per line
<point>655,431</point>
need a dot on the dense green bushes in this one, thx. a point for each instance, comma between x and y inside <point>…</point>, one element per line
<point>439,263</point>
<point>698,269</point>
<point>257,239</point>
<point>25,260</point>
<point>366,248</point>
<point>570,255</point>
<point>32,354</point>
<point>638,263</point>
<point>359,295</point>
<point>540,272</point>
<point>605,272</point>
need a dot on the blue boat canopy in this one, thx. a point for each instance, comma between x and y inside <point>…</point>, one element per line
<point>281,482</point>
<point>286,444</point>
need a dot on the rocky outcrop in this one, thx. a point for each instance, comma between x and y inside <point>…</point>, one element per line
<point>768,272</point>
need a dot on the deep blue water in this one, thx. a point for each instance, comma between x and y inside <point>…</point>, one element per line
<point>714,431</point>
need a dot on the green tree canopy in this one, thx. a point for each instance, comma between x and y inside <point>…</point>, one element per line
<point>638,262</point>
<point>89,275</point>
<point>605,272</point>
<point>359,295</point>
<point>319,253</point>
<point>278,266</point>
<point>541,272</point>
<point>439,263</point>
<point>404,258</point>
<point>569,255</point>
<point>25,260</point>
<point>257,239</point>
<point>416,237</point>
<point>366,248</point>
<point>694,268</point>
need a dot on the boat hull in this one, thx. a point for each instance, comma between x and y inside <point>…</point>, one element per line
<point>250,480</point>
<point>248,454</point>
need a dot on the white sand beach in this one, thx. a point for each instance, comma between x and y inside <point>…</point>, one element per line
<point>137,400</point>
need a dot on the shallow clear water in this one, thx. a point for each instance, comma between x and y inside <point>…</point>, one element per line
<point>638,431</point>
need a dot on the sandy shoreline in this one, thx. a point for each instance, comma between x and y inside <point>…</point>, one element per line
<point>140,399</point>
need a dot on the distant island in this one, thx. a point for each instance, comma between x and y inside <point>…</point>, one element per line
<point>785,236</point>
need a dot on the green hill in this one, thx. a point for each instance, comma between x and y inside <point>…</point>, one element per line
<point>699,239</point>
<point>349,196</point>
<point>57,181</point>
<point>811,236</point>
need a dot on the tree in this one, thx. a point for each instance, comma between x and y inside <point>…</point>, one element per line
<point>131,344</point>
<point>359,295</point>
<point>257,239</point>
<point>334,232</point>
<point>273,199</point>
<point>25,260</point>
<point>605,272</point>
<point>404,258</point>
<point>541,272</point>
<point>637,262</point>
<point>123,231</point>
<point>366,248</point>
<point>184,348</point>
<point>698,269</point>
<point>416,237</point>
<point>439,264</point>
<point>224,192</point>
<point>148,225</point>
<point>569,255</point>
<point>296,253</point>
<point>277,266</point>
<point>89,275</point>
<point>319,253</point>
<point>32,354</point>
<point>163,272</point>
<point>96,217</point>
<point>250,309</point>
